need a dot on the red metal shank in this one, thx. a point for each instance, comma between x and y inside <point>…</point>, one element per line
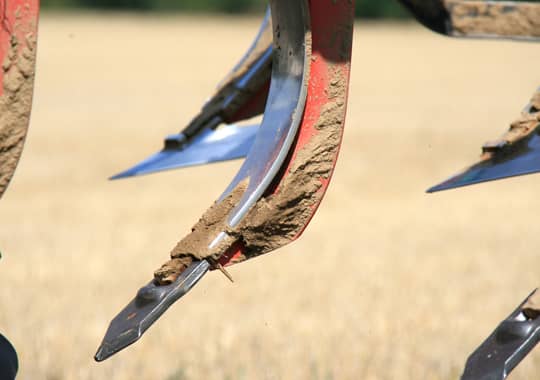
<point>332,24</point>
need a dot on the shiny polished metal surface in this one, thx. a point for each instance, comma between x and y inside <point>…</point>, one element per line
<point>229,142</point>
<point>146,308</point>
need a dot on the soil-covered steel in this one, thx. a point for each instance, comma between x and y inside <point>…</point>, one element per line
<point>276,219</point>
<point>195,246</point>
<point>521,129</point>
<point>485,19</point>
<point>15,104</point>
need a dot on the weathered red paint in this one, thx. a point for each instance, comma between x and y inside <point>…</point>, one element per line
<point>18,18</point>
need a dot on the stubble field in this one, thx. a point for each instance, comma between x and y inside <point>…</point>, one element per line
<point>387,283</point>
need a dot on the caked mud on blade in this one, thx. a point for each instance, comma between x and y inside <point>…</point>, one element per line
<point>241,95</point>
<point>226,143</point>
<point>18,45</point>
<point>517,153</point>
<point>149,304</point>
<point>514,20</point>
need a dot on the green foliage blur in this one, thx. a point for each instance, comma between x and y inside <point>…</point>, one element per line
<point>364,8</point>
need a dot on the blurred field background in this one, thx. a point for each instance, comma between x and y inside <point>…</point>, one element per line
<point>365,8</point>
<point>387,283</point>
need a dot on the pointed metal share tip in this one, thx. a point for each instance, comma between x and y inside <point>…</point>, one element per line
<point>508,345</point>
<point>226,143</point>
<point>509,161</point>
<point>149,304</point>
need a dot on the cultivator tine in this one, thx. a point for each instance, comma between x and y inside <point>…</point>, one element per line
<point>241,95</point>
<point>508,345</point>
<point>479,19</point>
<point>284,178</point>
<point>514,154</point>
<point>18,42</point>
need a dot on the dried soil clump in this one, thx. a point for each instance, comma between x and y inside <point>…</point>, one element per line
<point>481,18</point>
<point>195,245</point>
<point>521,129</point>
<point>15,104</point>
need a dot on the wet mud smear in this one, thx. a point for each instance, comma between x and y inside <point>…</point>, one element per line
<point>279,218</point>
<point>15,104</point>
<point>470,18</point>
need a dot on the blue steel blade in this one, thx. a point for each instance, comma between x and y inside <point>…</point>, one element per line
<point>522,160</point>
<point>226,143</point>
